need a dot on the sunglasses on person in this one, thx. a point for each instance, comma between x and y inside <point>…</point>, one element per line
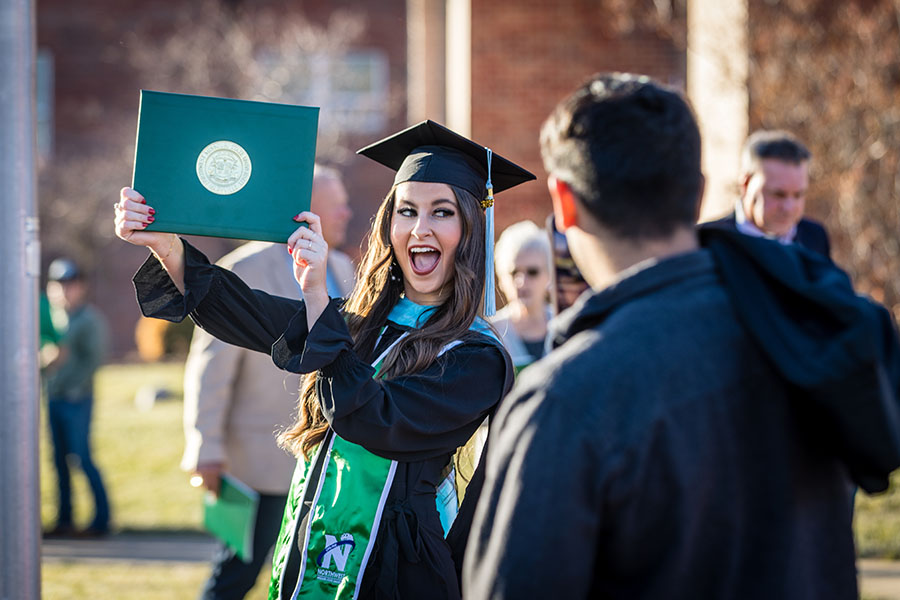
<point>528,272</point>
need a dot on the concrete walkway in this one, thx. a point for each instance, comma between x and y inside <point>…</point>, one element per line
<point>879,579</point>
<point>133,546</point>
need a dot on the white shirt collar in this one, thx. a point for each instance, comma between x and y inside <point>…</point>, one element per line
<point>747,227</point>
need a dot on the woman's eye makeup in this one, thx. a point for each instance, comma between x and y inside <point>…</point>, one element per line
<point>441,212</point>
<point>529,272</point>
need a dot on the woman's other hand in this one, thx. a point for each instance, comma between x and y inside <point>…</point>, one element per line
<point>310,253</point>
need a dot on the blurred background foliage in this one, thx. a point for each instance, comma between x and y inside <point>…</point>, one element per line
<point>830,72</point>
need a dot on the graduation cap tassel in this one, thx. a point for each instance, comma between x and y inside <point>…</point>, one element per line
<point>490,303</point>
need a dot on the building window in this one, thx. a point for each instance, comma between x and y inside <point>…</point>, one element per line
<point>351,88</point>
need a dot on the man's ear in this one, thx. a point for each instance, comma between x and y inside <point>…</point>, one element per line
<point>744,182</point>
<point>700,198</point>
<point>565,213</point>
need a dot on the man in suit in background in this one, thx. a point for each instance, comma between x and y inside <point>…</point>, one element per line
<point>774,180</point>
<point>235,400</point>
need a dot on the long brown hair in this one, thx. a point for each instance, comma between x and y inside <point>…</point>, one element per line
<point>376,293</point>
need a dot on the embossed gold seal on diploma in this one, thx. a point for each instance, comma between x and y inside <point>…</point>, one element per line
<point>223,167</point>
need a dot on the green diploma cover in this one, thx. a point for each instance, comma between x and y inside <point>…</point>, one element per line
<point>231,516</point>
<point>224,168</point>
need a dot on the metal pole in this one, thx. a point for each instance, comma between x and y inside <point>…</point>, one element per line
<point>20,554</point>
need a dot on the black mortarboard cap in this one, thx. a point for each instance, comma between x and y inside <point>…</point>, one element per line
<point>431,152</point>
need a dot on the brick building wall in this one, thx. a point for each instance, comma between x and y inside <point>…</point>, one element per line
<point>528,55</point>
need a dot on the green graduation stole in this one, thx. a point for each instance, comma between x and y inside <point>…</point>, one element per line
<point>347,501</point>
<point>344,522</point>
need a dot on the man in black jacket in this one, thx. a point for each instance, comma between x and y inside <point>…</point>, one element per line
<point>774,181</point>
<point>694,431</point>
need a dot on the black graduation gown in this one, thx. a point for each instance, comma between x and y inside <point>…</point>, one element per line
<point>418,420</point>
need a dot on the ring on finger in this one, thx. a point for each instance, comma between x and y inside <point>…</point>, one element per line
<point>309,244</point>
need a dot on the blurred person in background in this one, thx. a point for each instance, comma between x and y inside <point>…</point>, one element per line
<point>774,181</point>
<point>82,343</point>
<point>523,260</point>
<point>566,281</point>
<point>235,399</point>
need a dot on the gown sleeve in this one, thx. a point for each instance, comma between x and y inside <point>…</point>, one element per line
<point>408,418</point>
<point>218,301</point>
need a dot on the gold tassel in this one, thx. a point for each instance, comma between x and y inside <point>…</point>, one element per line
<point>489,200</point>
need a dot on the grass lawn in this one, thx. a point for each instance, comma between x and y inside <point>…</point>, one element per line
<point>135,581</point>
<point>877,522</point>
<point>131,580</point>
<point>138,452</point>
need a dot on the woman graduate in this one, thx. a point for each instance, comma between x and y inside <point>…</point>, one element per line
<point>400,374</point>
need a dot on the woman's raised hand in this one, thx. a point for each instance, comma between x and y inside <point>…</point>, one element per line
<point>310,253</point>
<point>132,217</point>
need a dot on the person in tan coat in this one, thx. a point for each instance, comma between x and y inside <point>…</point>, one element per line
<point>236,400</point>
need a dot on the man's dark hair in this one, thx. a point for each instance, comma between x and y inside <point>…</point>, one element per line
<point>772,144</point>
<point>630,150</point>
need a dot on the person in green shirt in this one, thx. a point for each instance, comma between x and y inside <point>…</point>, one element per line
<point>70,392</point>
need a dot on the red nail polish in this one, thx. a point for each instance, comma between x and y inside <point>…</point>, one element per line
<point>290,250</point>
<point>297,217</point>
<point>151,218</point>
<point>152,211</point>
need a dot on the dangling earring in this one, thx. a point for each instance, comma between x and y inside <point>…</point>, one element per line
<point>395,267</point>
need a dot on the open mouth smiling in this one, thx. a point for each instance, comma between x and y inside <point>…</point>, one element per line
<point>424,259</point>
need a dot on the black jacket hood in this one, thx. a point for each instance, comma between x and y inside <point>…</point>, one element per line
<point>838,349</point>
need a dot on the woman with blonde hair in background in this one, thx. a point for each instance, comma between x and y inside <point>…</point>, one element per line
<point>523,261</point>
